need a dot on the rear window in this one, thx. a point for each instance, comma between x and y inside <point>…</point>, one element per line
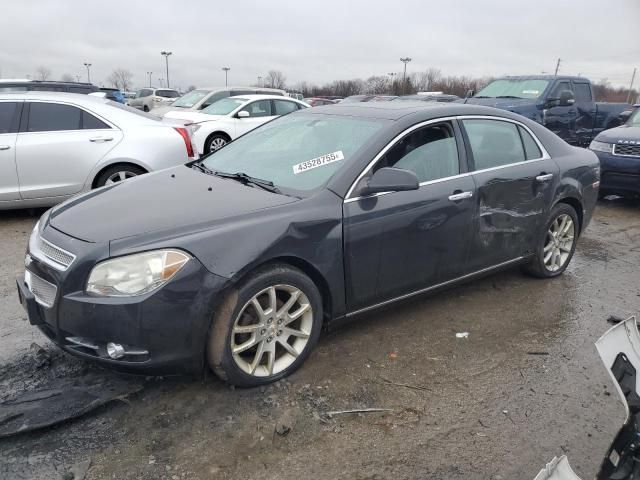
<point>51,117</point>
<point>167,93</point>
<point>582,92</point>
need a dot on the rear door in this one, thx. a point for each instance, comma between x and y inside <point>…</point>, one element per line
<point>9,120</point>
<point>515,179</point>
<point>58,146</point>
<point>398,243</point>
<point>586,113</point>
<point>260,112</point>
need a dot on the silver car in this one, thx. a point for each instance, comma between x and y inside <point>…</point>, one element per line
<point>56,145</point>
<point>149,98</point>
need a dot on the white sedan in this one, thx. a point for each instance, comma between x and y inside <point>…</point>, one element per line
<point>56,145</point>
<point>228,118</point>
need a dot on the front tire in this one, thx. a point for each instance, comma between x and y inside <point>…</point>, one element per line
<point>145,108</point>
<point>557,243</point>
<point>267,328</point>
<point>215,142</point>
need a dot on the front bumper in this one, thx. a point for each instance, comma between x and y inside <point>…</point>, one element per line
<point>619,174</point>
<point>165,331</point>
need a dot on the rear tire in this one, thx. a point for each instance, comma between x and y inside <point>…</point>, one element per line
<point>266,328</point>
<point>556,244</point>
<point>118,173</point>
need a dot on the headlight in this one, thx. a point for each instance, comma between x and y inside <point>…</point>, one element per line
<point>601,146</point>
<point>135,274</point>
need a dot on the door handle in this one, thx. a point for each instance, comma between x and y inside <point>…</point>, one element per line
<point>5,147</point>
<point>460,196</point>
<point>544,177</point>
<point>100,139</point>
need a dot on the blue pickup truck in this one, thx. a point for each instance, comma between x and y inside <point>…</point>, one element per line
<point>563,104</point>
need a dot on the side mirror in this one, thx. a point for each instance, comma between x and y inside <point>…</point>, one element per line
<point>470,93</point>
<point>243,114</point>
<point>566,98</point>
<point>390,179</point>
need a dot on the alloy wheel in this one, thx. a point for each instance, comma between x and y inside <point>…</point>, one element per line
<point>559,243</point>
<point>217,143</point>
<point>119,177</point>
<point>271,330</point>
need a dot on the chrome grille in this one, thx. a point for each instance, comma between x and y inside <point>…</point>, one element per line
<point>44,291</point>
<point>626,150</point>
<point>50,254</point>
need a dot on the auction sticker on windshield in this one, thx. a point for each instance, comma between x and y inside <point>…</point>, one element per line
<point>318,162</point>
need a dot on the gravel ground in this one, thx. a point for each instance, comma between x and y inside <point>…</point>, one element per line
<point>525,385</point>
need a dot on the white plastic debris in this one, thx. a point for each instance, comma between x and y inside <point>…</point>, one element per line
<point>462,335</point>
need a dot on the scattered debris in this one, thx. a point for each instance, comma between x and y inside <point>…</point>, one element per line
<point>537,353</point>
<point>282,429</point>
<point>45,407</point>
<point>357,410</point>
<point>614,319</point>
<point>406,385</point>
<point>393,355</point>
<point>462,335</point>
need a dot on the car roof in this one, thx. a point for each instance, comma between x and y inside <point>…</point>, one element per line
<point>256,96</point>
<point>400,110</point>
<point>212,89</point>
<point>52,96</point>
<point>543,77</point>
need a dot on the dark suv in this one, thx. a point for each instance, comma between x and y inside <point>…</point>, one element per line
<point>46,86</point>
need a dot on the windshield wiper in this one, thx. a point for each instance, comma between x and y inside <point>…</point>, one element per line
<point>243,177</point>
<point>508,96</point>
<point>202,168</point>
<point>481,96</point>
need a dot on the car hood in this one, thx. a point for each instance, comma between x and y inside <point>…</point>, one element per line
<point>169,199</point>
<point>619,350</point>
<point>622,134</point>
<point>502,103</point>
<point>195,117</point>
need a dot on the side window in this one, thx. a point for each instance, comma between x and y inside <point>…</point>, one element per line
<point>14,88</point>
<point>494,143</point>
<point>47,88</point>
<point>7,112</point>
<point>283,107</point>
<point>531,149</point>
<point>89,122</point>
<point>261,108</point>
<point>51,117</point>
<point>555,93</point>
<point>235,93</point>
<point>583,92</point>
<point>430,152</point>
<point>214,98</point>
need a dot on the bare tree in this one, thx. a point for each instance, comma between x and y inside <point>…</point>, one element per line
<point>378,84</point>
<point>275,79</point>
<point>67,77</point>
<point>120,78</point>
<point>43,73</point>
<point>191,88</point>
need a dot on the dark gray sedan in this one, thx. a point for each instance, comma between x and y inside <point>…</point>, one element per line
<point>237,261</point>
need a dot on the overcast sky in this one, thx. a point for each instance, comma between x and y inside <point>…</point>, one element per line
<point>319,41</point>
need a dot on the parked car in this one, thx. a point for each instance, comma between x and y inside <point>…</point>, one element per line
<point>239,259</point>
<point>441,97</point>
<point>619,152</point>
<point>201,98</point>
<point>227,119</point>
<point>297,96</point>
<point>149,98</point>
<point>562,104</point>
<point>26,85</point>
<point>382,98</point>
<point>56,145</point>
<point>318,101</point>
<point>113,94</point>
<point>357,98</point>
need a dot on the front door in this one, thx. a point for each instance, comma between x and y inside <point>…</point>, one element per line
<point>515,181</point>
<point>401,242</point>
<point>9,116</point>
<point>561,120</point>
<point>259,113</point>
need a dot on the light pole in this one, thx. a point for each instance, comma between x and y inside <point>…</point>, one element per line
<point>160,80</point>
<point>166,54</point>
<point>259,81</point>
<point>149,73</point>
<point>78,78</point>
<point>88,65</point>
<point>404,75</point>
<point>392,75</point>
<point>226,72</point>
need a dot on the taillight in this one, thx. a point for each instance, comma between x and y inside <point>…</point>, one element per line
<point>184,133</point>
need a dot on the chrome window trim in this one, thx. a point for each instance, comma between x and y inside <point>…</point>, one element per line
<point>545,154</point>
<point>433,287</point>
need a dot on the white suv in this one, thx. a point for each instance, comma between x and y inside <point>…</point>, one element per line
<point>148,98</point>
